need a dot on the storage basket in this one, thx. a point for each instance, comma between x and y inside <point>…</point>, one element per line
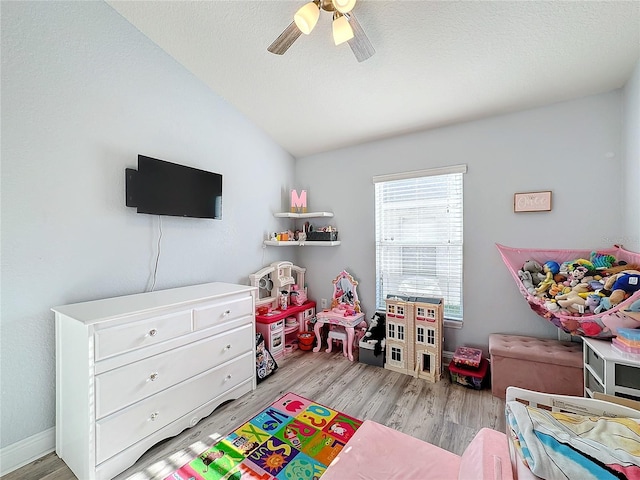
<point>322,236</point>
<point>469,377</point>
<point>305,340</point>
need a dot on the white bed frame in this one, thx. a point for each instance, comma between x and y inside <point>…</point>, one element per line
<point>578,405</point>
<point>564,403</point>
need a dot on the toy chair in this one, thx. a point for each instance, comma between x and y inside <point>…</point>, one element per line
<point>337,333</point>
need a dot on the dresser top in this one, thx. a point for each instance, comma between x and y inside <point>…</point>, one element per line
<point>105,309</point>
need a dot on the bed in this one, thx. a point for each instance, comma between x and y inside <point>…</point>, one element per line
<point>561,436</point>
<point>377,452</point>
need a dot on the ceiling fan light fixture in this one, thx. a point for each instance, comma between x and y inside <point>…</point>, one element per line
<point>342,31</point>
<point>307,17</point>
<point>344,6</point>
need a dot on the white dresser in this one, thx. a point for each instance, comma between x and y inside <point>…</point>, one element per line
<point>133,370</point>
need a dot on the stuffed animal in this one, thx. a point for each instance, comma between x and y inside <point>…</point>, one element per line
<point>527,281</point>
<point>621,285</point>
<point>551,305</point>
<point>592,301</point>
<point>611,301</point>
<point>601,261</point>
<point>536,271</point>
<point>376,333</point>
<point>576,276</point>
<point>616,297</point>
<point>549,268</point>
<point>629,282</point>
<point>604,305</point>
<point>558,289</point>
<point>571,301</point>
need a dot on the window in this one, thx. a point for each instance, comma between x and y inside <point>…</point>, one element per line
<point>400,332</point>
<point>420,335</point>
<point>431,336</point>
<point>396,354</point>
<point>419,236</point>
<point>391,330</point>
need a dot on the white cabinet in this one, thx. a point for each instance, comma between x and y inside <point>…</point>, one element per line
<point>607,371</point>
<point>133,370</point>
<point>276,243</point>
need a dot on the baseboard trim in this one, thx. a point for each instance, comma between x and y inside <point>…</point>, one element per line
<point>26,451</point>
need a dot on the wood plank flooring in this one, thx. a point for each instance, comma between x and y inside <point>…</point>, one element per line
<point>444,414</point>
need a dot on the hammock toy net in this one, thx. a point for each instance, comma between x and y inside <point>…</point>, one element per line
<point>583,292</point>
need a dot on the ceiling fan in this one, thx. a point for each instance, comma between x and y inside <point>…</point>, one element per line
<point>345,27</point>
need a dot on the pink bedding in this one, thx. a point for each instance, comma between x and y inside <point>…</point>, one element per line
<point>376,452</point>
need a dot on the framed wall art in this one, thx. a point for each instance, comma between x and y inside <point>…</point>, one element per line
<point>532,202</point>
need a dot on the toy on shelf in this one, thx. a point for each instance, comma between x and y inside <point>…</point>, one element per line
<point>582,292</point>
<point>344,312</point>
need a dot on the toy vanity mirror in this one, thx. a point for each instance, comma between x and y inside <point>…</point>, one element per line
<point>344,292</point>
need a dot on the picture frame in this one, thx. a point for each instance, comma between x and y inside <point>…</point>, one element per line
<point>532,201</point>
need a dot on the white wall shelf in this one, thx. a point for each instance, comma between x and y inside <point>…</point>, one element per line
<point>303,215</point>
<point>310,243</point>
<point>275,243</point>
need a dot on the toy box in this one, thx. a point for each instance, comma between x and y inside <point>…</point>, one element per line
<point>469,377</point>
<point>367,356</point>
<point>467,357</point>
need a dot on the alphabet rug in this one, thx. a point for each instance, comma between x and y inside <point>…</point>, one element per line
<point>292,439</point>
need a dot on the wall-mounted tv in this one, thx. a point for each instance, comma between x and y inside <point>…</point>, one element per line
<point>158,187</point>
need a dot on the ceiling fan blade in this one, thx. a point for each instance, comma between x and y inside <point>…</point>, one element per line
<point>360,44</point>
<point>285,40</point>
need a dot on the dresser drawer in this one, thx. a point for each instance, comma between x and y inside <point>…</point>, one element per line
<point>126,385</point>
<point>115,340</point>
<point>126,427</point>
<point>218,313</point>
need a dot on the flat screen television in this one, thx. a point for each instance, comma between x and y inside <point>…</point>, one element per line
<point>158,187</point>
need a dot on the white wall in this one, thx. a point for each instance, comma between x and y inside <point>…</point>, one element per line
<point>572,148</point>
<point>631,166</point>
<point>83,92</point>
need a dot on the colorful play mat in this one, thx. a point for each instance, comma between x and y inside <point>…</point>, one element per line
<point>292,439</point>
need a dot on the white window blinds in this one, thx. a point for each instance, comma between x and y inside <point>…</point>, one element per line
<point>419,236</point>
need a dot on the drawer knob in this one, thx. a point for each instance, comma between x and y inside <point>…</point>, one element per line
<point>226,312</point>
<point>153,332</point>
<point>154,415</point>
<point>153,376</point>
<point>227,378</point>
<point>228,347</point>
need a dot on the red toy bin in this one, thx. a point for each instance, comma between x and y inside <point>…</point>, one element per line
<point>467,357</point>
<point>469,377</point>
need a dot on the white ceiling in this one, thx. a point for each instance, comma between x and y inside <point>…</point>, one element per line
<point>436,62</point>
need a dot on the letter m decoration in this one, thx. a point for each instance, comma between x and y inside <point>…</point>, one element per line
<point>298,202</point>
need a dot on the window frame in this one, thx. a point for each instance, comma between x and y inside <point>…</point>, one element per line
<point>455,240</point>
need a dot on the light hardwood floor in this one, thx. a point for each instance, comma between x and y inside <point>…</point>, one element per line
<point>444,414</point>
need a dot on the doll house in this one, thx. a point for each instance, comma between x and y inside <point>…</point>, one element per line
<point>414,336</point>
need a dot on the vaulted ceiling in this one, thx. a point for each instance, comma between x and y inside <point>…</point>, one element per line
<point>436,62</point>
